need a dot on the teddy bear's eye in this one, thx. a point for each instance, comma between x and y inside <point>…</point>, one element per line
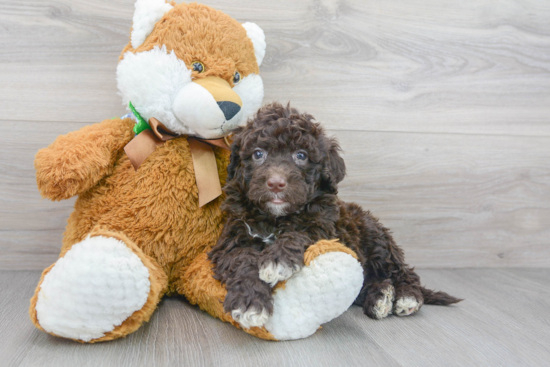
<point>198,66</point>
<point>236,78</point>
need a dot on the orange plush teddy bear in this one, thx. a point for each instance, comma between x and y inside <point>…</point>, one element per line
<point>149,188</point>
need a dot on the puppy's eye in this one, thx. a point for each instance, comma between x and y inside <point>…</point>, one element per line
<point>301,156</point>
<point>198,66</point>
<point>236,78</point>
<point>259,155</point>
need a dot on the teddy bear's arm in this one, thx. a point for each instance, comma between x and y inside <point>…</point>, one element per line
<point>75,162</point>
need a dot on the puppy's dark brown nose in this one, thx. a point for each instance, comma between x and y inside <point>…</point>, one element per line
<point>276,184</point>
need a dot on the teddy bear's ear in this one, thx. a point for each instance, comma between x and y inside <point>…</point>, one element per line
<point>257,36</point>
<point>146,15</point>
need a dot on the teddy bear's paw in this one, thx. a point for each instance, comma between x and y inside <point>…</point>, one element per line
<point>272,273</point>
<point>250,318</point>
<point>318,293</point>
<point>406,306</point>
<point>98,284</point>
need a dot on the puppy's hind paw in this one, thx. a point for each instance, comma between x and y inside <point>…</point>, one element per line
<point>380,303</point>
<point>383,306</point>
<point>250,318</point>
<point>406,306</point>
<point>273,273</point>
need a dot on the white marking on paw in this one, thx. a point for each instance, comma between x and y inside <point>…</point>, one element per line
<point>384,305</point>
<point>406,306</point>
<point>272,273</point>
<point>97,285</point>
<point>316,294</point>
<point>250,318</point>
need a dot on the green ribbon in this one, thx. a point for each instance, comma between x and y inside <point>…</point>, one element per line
<point>141,124</point>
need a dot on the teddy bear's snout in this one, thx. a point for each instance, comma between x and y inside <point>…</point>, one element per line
<point>229,109</point>
<point>209,107</point>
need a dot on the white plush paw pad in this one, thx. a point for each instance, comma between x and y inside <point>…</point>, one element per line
<point>97,285</point>
<point>272,273</point>
<point>406,306</point>
<point>250,318</point>
<point>315,295</point>
<point>384,305</point>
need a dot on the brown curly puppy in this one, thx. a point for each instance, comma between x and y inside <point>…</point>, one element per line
<point>281,198</point>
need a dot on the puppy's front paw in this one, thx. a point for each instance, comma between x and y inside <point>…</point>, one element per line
<point>251,317</point>
<point>250,303</point>
<point>273,273</point>
<point>406,306</point>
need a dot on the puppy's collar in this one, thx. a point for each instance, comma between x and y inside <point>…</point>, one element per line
<point>267,240</point>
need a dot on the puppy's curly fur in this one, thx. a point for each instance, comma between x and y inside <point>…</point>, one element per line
<point>281,198</point>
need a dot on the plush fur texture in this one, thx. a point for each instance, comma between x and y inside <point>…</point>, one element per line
<point>256,35</point>
<point>144,205</point>
<point>158,283</point>
<point>155,71</point>
<point>144,210</point>
<point>152,88</point>
<point>153,211</point>
<point>189,29</point>
<point>282,185</point>
<point>95,261</point>
<point>163,228</point>
<point>319,292</point>
<point>326,286</point>
<point>152,215</point>
<point>146,15</point>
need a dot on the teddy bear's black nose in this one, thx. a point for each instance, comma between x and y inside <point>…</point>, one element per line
<point>229,109</point>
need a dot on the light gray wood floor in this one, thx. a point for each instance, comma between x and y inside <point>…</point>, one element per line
<point>504,321</point>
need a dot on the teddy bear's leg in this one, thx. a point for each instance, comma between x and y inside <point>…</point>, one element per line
<point>322,290</point>
<point>102,288</point>
<point>200,288</point>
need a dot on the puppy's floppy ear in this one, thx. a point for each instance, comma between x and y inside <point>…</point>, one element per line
<point>334,168</point>
<point>234,167</point>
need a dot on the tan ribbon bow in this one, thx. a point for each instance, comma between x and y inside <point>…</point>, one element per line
<point>204,160</point>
